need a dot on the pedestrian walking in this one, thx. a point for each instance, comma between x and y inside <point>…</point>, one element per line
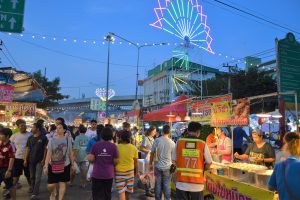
<point>59,163</point>
<point>92,132</point>
<point>161,154</point>
<point>95,139</point>
<point>35,157</point>
<point>192,158</point>
<point>104,156</point>
<point>7,154</point>
<point>80,154</point>
<point>127,167</point>
<point>19,140</point>
<point>145,148</point>
<point>284,178</point>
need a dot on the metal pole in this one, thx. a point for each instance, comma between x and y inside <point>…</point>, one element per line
<point>137,73</point>
<point>296,109</point>
<point>107,77</point>
<point>201,82</point>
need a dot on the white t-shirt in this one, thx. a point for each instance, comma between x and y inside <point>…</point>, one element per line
<point>192,187</point>
<point>20,141</point>
<point>91,133</point>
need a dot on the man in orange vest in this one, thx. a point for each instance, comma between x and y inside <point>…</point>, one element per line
<point>191,157</point>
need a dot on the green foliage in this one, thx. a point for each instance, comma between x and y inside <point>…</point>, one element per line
<point>52,89</point>
<point>243,84</point>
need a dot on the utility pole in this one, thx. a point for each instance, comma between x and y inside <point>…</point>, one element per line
<point>229,75</point>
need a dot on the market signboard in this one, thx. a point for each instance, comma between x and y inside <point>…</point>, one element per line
<point>16,109</point>
<point>223,188</point>
<point>222,115</point>
<point>289,66</point>
<point>201,110</point>
<point>6,93</point>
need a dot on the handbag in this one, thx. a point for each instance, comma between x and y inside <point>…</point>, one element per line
<point>58,167</point>
<point>288,189</point>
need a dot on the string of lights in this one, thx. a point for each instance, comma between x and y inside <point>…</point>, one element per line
<point>94,42</point>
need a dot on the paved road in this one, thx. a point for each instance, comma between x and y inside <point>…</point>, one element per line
<point>74,192</point>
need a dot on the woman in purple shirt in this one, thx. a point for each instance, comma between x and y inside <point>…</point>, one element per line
<point>104,156</point>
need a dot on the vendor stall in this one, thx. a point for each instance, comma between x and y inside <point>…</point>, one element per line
<point>244,182</point>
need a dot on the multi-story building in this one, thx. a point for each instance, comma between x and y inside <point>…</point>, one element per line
<point>171,79</point>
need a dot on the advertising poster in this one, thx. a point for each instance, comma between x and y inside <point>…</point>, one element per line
<point>222,115</point>
<point>201,110</point>
<point>20,109</point>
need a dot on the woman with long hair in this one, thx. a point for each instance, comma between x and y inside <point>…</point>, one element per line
<point>145,148</point>
<point>285,177</point>
<point>59,162</point>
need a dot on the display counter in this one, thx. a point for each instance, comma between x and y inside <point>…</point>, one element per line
<point>236,181</point>
<point>222,187</point>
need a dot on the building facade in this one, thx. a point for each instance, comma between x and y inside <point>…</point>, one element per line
<point>169,80</point>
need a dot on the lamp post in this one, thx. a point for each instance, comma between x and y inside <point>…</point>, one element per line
<point>109,38</point>
<point>139,47</point>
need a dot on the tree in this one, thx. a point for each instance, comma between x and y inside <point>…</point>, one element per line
<point>52,89</point>
<point>243,84</point>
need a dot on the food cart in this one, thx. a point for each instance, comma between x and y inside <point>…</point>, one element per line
<point>238,181</point>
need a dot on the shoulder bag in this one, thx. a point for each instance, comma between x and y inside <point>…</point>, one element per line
<point>58,167</point>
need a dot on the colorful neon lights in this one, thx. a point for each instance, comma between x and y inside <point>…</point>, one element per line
<point>101,93</point>
<point>185,20</point>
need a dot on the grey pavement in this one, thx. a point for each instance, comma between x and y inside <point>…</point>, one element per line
<point>74,192</point>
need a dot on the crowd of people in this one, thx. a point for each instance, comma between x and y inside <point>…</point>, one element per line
<point>109,159</point>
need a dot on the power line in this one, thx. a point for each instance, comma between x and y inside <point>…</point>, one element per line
<point>73,56</point>
<point>257,17</point>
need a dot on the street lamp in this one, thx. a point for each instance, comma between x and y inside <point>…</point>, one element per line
<point>109,38</point>
<point>138,57</point>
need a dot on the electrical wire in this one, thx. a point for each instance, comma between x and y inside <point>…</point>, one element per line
<point>73,56</point>
<point>257,17</point>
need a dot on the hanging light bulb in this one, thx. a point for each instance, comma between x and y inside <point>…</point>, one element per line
<point>178,118</point>
<point>187,117</point>
<point>170,115</point>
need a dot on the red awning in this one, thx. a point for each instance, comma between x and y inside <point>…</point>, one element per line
<point>133,113</point>
<point>176,108</point>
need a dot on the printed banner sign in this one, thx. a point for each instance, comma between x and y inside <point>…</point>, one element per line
<point>222,115</point>
<point>6,93</point>
<point>20,109</point>
<point>223,188</point>
<point>201,110</point>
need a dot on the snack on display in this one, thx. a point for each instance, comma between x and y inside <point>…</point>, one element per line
<point>247,167</point>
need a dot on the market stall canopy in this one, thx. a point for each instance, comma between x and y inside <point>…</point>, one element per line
<point>178,107</point>
<point>133,113</point>
<point>25,87</point>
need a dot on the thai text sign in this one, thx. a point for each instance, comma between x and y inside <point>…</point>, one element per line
<point>6,93</point>
<point>20,109</point>
<point>223,116</point>
<point>201,110</point>
<point>224,188</point>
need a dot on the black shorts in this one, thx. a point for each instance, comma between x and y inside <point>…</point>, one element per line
<point>19,168</point>
<point>7,181</point>
<point>61,177</point>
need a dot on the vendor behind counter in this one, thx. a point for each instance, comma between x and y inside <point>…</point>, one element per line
<point>259,152</point>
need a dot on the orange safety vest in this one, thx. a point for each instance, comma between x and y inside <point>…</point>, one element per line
<point>190,160</point>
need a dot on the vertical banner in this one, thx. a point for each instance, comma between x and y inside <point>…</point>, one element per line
<point>6,93</point>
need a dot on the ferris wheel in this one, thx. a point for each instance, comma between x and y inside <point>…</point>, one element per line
<point>185,20</point>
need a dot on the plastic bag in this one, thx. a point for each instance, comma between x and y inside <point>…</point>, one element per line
<point>89,173</point>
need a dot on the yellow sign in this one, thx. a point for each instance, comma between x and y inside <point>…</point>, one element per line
<point>224,188</point>
<point>191,152</point>
<point>20,109</point>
